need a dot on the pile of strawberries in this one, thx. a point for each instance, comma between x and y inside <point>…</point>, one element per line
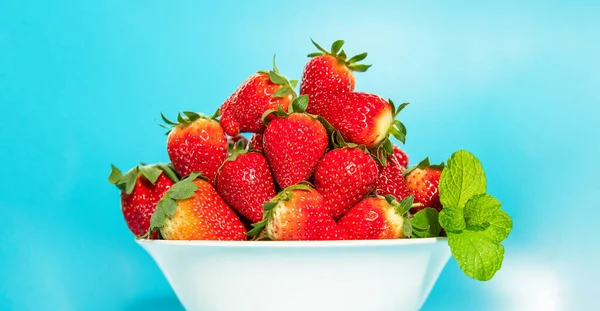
<point>319,166</point>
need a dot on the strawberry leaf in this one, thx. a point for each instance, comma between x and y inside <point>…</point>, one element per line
<point>300,104</point>
<point>169,171</point>
<point>150,172</point>
<point>319,47</point>
<point>359,67</point>
<point>129,180</point>
<point>115,175</point>
<point>315,54</point>
<point>357,58</point>
<point>336,46</point>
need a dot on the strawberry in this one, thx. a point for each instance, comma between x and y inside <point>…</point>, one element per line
<point>330,71</point>
<point>192,210</point>
<point>361,118</point>
<point>243,110</point>
<point>256,141</point>
<point>293,143</point>
<point>196,144</point>
<point>141,189</point>
<point>423,181</point>
<point>297,213</point>
<point>345,176</point>
<point>391,176</point>
<point>376,218</point>
<point>245,183</point>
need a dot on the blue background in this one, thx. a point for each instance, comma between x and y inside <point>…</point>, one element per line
<point>82,84</point>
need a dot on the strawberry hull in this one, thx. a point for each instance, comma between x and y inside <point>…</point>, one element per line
<point>202,273</point>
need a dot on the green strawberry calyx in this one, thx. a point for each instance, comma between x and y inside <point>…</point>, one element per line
<point>283,195</point>
<point>425,164</point>
<point>126,182</point>
<point>287,86</point>
<point>167,206</point>
<point>186,119</point>
<point>340,56</point>
<point>397,130</point>
<point>298,105</point>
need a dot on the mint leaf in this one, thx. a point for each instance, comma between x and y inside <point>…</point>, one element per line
<point>452,219</point>
<point>477,254</point>
<point>462,178</point>
<point>425,223</point>
<point>500,226</point>
<point>480,209</point>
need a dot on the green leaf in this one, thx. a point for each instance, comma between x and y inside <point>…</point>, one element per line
<point>388,147</point>
<point>169,171</point>
<point>342,55</point>
<point>452,219</point>
<point>398,134</point>
<point>300,103</point>
<point>183,190</point>
<point>400,108</point>
<point>169,122</point>
<point>180,119</point>
<point>462,178</point>
<point>480,209</point>
<point>319,47</point>
<point>158,218</point>
<point>269,206</point>
<point>315,54</point>
<point>406,227</point>
<point>336,46</point>
<point>405,205</point>
<point>426,223</point>
<point>168,206</point>
<point>500,226</point>
<point>282,91</point>
<point>359,67</point>
<point>293,83</point>
<point>357,58</point>
<point>275,65</point>
<point>277,78</point>
<point>477,254</point>
<point>192,116</point>
<point>115,175</point>
<point>151,172</point>
<point>129,180</point>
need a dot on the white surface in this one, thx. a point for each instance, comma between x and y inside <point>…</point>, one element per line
<point>384,275</point>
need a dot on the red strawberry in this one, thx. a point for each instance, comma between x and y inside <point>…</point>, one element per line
<point>297,213</point>
<point>329,71</point>
<point>196,144</point>
<point>345,176</point>
<point>361,118</point>
<point>257,141</point>
<point>192,210</point>
<point>243,110</point>
<point>141,189</point>
<point>376,218</point>
<point>293,144</point>
<point>391,176</point>
<point>245,183</point>
<point>423,181</point>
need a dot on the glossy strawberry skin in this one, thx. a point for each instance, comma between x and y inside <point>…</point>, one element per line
<point>293,146</point>
<point>372,219</point>
<point>246,183</point>
<point>345,176</point>
<point>200,146</point>
<point>205,216</point>
<point>243,110</point>
<point>139,205</point>
<point>391,176</point>
<point>303,217</point>
<point>326,74</point>
<point>361,118</point>
<point>424,184</point>
<point>257,141</point>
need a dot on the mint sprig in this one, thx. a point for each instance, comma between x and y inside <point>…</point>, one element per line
<point>473,220</point>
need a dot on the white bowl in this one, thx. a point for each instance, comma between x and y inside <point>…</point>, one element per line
<point>305,276</point>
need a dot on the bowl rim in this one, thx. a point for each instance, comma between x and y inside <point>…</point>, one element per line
<point>295,244</point>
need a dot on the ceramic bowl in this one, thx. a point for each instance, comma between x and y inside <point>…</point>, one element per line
<point>382,275</point>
